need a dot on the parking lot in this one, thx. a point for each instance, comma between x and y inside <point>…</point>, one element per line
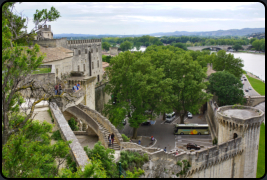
<point>164,133</point>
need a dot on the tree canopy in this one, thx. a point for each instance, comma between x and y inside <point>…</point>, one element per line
<point>126,45</point>
<point>227,62</point>
<point>106,45</point>
<point>227,87</point>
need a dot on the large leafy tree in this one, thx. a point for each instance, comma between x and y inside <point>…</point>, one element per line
<point>227,87</point>
<point>18,63</point>
<point>135,82</point>
<point>237,47</point>
<point>188,85</point>
<point>228,63</point>
<point>126,45</point>
<point>106,45</point>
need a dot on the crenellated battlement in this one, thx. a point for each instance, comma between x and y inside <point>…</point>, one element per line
<point>83,41</point>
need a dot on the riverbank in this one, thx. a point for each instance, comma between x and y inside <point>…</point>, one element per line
<point>257,84</point>
<point>250,52</point>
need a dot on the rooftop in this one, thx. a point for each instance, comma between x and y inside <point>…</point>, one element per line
<point>241,113</point>
<point>54,54</point>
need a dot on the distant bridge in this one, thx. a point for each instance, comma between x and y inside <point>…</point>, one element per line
<point>215,47</point>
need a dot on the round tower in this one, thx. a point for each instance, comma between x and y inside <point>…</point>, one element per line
<point>242,121</point>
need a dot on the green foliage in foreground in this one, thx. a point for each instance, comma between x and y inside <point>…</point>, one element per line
<point>130,160</point>
<point>261,153</point>
<point>42,71</point>
<point>29,154</point>
<point>257,85</point>
<point>106,158</point>
<point>56,135</point>
<point>106,58</point>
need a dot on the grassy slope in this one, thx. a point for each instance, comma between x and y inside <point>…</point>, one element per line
<point>261,153</point>
<point>258,85</point>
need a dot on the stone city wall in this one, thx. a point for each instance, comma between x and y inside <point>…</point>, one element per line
<point>103,121</point>
<point>255,100</point>
<point>101,97</point>
<point>202,162</point>
<point>77,151</point>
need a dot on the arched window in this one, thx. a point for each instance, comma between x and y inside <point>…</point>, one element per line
<point>96,49</point>
<point>235,135</point>
<point>92,65</point>
<point>98,64</point>
<point>78,68</point>
<point>79,52</point>
<point>83,67</point>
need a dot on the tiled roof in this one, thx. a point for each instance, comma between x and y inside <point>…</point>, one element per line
<point>54,54</point>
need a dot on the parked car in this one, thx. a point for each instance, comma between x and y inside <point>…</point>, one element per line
<point>241,79</point>
<point>250,88</point>
<point>192,146</point>
<point>147,123</point>
<point>246,90</point>
<point>245,79</point>
<point>190,115</point>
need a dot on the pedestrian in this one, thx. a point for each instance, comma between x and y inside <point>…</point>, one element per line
<point>79,85</point>
<point>56,89</point>
<point>139,142</point>
<point>109,139</point>
<point>60,89</point>
<point>152,138</point>
<point>165,149</point>
<point>176,152</point>
<point>74,88</point>
<point>131,140</point>
<point>112,138</point>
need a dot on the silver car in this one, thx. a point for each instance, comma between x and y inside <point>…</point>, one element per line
<point>249,88</point>
<point>190,115</point>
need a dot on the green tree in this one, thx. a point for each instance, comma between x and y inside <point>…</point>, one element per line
<point>188,85</point>
<point>106,157</point>
<point>252,40</point>
<point>237,47</point>
<point>29,154</point>
<point>227,87</point>
<point>135,82</point>
<point>180,45</point>
<point>262,41</point>
<point>125,46</point>
<point>257,44</point>
<point>73,124</point>
<point>17,63</point>
<point>227,62</point>
<point>138,45</point>
<point>105,45</point>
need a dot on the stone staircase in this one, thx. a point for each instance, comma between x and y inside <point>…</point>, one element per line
<point>115,145</point>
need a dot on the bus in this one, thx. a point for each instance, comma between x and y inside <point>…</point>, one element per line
<point>191,129</point>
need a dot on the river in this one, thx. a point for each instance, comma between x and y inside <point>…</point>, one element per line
<point>254,63</point>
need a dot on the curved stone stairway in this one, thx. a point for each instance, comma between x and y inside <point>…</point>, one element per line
<point>115,145</point>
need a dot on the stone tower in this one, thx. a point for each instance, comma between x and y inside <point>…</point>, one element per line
<point>44,32</point>
<point>241,121</point>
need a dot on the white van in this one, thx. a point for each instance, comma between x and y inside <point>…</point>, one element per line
<point>170,117</point>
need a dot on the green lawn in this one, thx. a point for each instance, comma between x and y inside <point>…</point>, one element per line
<point>258,85</point>
<point>261,153</point>
<point>42,71</point>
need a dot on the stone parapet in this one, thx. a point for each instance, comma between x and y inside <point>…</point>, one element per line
<point>103,121</point>
<point>77,151</point>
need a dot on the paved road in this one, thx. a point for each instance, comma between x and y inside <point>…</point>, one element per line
<point>246,85</point>
<point>201,140</point>
<point>163,131</point>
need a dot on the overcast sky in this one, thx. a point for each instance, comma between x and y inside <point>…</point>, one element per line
<point>148,17</point>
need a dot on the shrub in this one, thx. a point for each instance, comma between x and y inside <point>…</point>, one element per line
<point>73,124</point>
<point>131,160</point>
<point>125,138</point>
<point>56,135</point>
